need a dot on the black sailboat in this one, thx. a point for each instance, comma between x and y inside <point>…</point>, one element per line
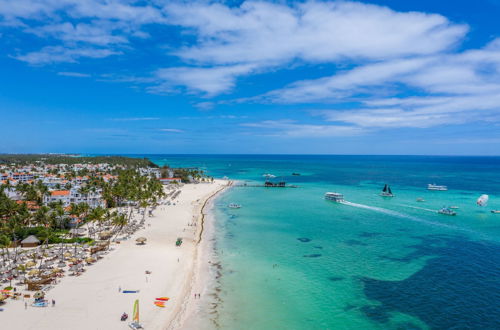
<point>386,192</point>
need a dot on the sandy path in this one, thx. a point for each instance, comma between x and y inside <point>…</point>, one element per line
<point>93,300</point>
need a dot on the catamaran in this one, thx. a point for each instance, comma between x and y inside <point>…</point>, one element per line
<point>334,197</point>
<point>386,192</point>
<point>135,317</point>
<point>436,187</point>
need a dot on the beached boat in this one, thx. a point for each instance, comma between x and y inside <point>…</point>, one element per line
<point>334,197</point>
<point>386,192</point>
<point>447,211</point>
<point>135,317</point>
<point>234,206</point>
<point>436,187</point>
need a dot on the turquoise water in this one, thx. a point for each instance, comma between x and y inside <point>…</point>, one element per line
<point>291,260</point>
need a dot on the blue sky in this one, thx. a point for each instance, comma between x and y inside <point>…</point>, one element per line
<point>329,77</point>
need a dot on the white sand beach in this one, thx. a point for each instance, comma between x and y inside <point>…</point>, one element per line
<point>94,301</point>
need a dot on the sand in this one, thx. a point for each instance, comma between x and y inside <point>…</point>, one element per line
<point>94,301</point>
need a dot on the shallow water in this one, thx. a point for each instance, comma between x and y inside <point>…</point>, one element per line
<point>291,260</point>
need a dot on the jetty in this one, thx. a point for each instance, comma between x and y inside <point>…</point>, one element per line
<point>267,184</point>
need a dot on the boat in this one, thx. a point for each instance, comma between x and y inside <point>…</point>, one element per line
<point>269,176</point>
<point>420,199</point>
<point>495,211</point>
<point>436,187</point>
<point>334,197</point>
<point>135,317</point>
<point>296,174</point>
<point>234,206</point>
<point>386,192</point>
<point>447,211</point>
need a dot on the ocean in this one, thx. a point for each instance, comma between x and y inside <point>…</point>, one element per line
<point>292,260</point>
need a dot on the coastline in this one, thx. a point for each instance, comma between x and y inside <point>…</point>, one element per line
<point>95,300</point>
<point>189,316</point>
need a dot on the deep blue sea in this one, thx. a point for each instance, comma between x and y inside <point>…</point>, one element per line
<point>292,260</point>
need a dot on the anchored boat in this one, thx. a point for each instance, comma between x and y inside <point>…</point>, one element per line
<point>436,187</point>
<point>386,192</point>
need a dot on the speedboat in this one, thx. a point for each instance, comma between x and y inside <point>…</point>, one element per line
<point>269,176</point>
<point>420,199</point>
<point>436,187</point>
<point>334,197</point>
<point>447,211</point>
<point>495,211</point>
<point>234,206</point>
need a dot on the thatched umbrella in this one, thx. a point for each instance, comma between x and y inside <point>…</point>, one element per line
<point>90,260</point>
<point>30,264</point>
<point>33,272</point>
<point>141,240</point>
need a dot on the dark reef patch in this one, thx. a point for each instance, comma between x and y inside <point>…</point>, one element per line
<point>304,239</point>
<point>314,255</point>
<point>367,234</point>
<point>318,247</point>
<point>353,242</point>
<point>336,278</point>
<point>458,288</point>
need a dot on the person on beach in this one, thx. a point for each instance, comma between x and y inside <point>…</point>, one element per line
<point>25,305</point>
<point>119,289</point>
<point>53,303</point>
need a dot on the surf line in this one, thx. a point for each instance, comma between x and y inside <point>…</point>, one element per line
<point>401,215</point>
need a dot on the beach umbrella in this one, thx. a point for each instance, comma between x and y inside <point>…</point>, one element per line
<point>67,254</point>
<point>90,260</point>
<point>56,270</point>
<point>73,260</point>
<point>61,264</point>
<point>38,294</point>
<point>30,264</point>
<point>33,272</point>
<point>141,240</point>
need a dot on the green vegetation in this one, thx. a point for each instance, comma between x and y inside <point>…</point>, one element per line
<point>27,159</point>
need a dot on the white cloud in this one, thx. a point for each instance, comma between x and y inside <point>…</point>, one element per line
<point>290,128</point>
<point>54,54</point>
<point>171,130</point>
<point>135,119</point>
<point>74,74</point>
<point>313,31</point>
<point>211,81</point>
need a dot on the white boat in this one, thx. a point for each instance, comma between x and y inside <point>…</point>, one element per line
<point>495,211</point>
<point>447,211</point>
<point>334,197</point>
<point>386,192</point>
<point>234,206</point>
<point>436,187</point>
<point>269,176</point>
<point>420,199</point>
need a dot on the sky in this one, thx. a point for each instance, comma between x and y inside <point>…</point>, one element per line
<point>223,77</point>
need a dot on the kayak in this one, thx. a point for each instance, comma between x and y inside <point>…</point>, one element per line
<point>130,291</point>
<point>163,298</point>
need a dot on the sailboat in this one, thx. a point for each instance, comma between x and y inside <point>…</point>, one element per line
<point>135,317</point>
<point>386,192</point>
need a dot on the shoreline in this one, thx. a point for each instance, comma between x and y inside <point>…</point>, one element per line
<point>188,312</point>
<point>95,300</point>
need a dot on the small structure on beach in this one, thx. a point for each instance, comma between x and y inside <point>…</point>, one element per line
<point>30,241</point>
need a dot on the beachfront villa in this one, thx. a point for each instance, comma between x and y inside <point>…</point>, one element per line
<point>74,196</point>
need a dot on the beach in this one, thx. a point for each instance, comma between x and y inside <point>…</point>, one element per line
<point>96,299</point>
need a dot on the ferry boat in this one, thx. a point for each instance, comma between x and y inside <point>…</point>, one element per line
<point>234,206</point>
<point>447,211</point>
<point>436,187</point>
<point>334,197</point>
<point>386,192</point>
